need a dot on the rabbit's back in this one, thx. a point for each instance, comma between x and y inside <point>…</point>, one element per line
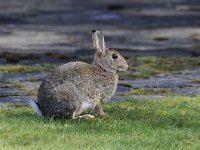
<point>73,83</point>
<point>79,73</point>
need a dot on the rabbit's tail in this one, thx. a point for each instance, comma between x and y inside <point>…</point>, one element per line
<point>34,104</point>
<point>36,107</point>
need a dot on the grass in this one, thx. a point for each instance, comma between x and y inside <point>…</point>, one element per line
<point>139,67</point>
<point>197,81</point>
<point>169,123</point>
<point>148,91</point>
<point>148,66</point>
<point>10,68</point>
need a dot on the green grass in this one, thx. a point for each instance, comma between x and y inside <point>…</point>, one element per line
<point>9,68</point>
<point>197,81</point>
<point>148,91</point>
<point>169,123</point>
<point>139,67</point>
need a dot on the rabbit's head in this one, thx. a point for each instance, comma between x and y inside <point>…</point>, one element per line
<point>109,59</point>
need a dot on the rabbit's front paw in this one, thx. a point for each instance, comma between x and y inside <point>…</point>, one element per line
<point>99,111</point>
<point>103,115</point>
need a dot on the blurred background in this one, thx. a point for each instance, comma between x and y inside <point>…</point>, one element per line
<point>167,27</point>
<point>157,37</point>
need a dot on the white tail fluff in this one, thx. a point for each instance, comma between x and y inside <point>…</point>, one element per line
<point>35,107</point>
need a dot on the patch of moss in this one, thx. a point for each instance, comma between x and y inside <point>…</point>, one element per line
<point>33,79</point>
<point>148,66</point>
<point>11,94</point>
<point>16,57</point>
<point>142,91</point>
<point>161,38</point>
<point>125,85</point>
<point>197,81</point>
<point>8,68</point>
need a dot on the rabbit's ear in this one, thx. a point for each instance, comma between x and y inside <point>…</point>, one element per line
<point>98,41</point>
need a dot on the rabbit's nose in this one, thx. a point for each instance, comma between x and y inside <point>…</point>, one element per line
<point>93,31</point>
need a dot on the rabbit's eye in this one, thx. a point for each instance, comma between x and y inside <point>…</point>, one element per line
<point>114,56</point>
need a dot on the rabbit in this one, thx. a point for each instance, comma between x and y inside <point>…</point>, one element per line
<point>75,87</point>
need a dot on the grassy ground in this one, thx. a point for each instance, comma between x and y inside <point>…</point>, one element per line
<point>197,81</point>
<point>169,123</point>
<point>10,68</point>
<point>149,91</point>
<point>148,66</point>
<point>139,67</point>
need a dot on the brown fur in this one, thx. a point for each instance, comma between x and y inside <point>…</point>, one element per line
<point>76,86</point>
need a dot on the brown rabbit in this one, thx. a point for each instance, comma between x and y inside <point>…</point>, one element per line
<point>77,86</point>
